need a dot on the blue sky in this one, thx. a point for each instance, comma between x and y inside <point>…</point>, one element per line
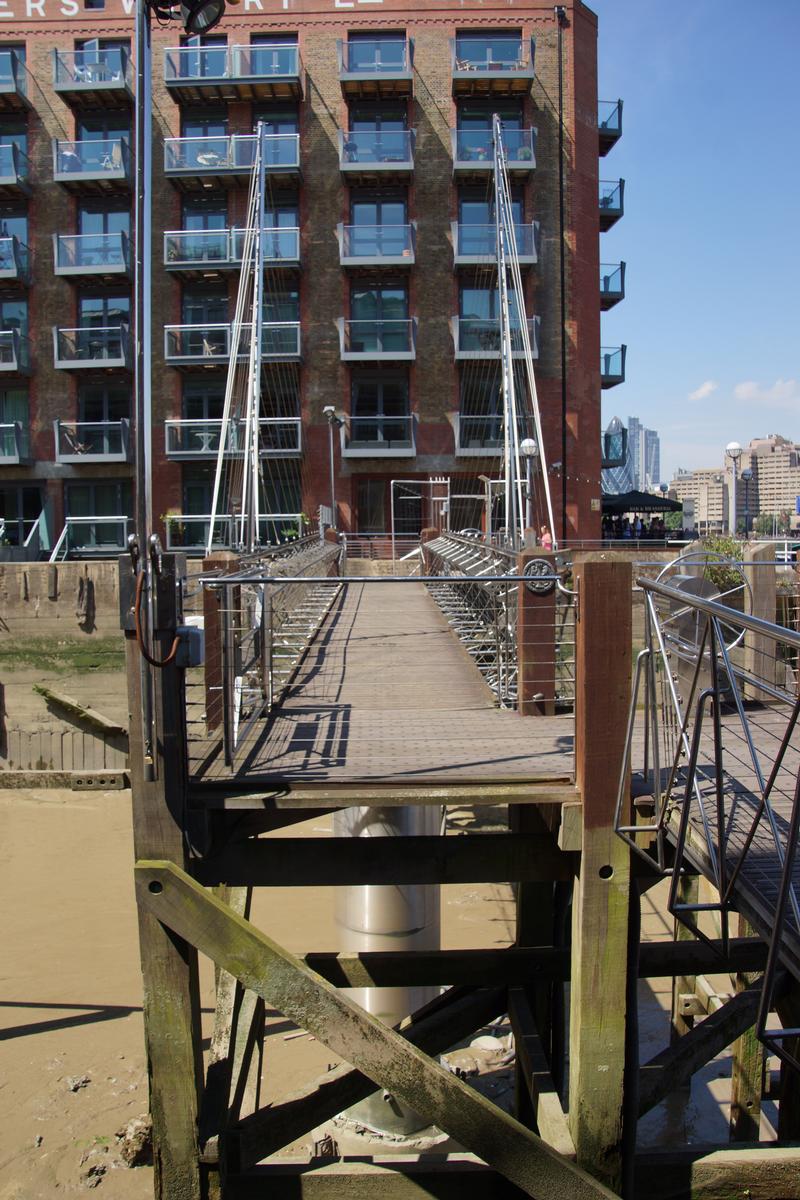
<point>710,154</point>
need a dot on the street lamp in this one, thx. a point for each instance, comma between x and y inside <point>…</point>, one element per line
<point>734,452</point>
<point>529,450</point>
<point>334,422</point>
<point>746,476</point>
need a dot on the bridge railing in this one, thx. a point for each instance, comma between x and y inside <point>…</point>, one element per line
<point>714,744</point>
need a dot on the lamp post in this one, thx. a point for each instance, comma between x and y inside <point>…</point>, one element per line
<point>746,476</point>
<point>734,452</point>
<point>334,422</point>
<point>529,450</point>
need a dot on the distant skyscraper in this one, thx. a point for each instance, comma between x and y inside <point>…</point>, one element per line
<point>618,478</point>
<point>650,461</point>
<point>634,449</point>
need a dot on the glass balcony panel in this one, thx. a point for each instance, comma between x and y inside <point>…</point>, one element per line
<point>15,351</point>
<point>85,534</point>
<point>92,252</point>
<point>378,337</point>
<point>190,531</point>
<point>92,158</point>
<point>90,68</point>
<point>492,52</point>
<point>200,343</point>
<point>193,438</point>
<point>13,74</point>
<point>612,364</point>
<point>480,431</point>
<point>381,431</point>
<point>375,56</point>
<point>480,241</point>
<point>14,165</point>
<point>235,153</point>
<point>280,244</point>
<point>377,241</point>
<point>280,340</point>
<point>478,337</point>
<point>475,146</point>
<point>91,440</point>
<point>196,62</point>
<point>278,435</point>
<point>93,343</point>
<point>262,62</point>
<point>197,247</point>
<point>13,258</point>
<point>375,146</point>
<point>14,442</point>
<point>609,118</point>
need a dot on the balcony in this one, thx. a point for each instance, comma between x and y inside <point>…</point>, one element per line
<point>377,341</point>
<point>378,437</point>
<point>93,166</point>
<point>479,435</point>
<point>92,537</point>
<point>493,65</point>
<point>15,449</point>
<point>92,348</point>
<point>14,173</point>
<point>210,345</point>
<point>473,153</point>
<point>197,163</point>
<point>92,441</point>
<point>477,337</point>
<point>609,125</point>
<point>15,353</point>
<point>190,441</point>
<point>376,68</point>
<point>612,284</point>
<point>212,251</point>
<point>377,245</point>
<point>475,245</point>
<point>93,78</point>
<point>221,74</point>
<point>94,256</point>
<point>14,261</point>
<point>13,82</point>
<point>612,365</point>
<point>197,345</point>
<point>189,531</point>
<point>612,203</point>
<point>369,155</point>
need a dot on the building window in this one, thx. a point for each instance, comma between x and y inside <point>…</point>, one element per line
<point>273,54</point>
<point>488,51</point>
<point>379,410</point>
<point>479,317</point>
<point>379,318</point>
<point>480,424</point>
<point>14,132</point>
<point>474,129</point>
<point>204,57</point>
<point>371,505</point>
<point>94,5</point>
<point>205,306</point>
<point>104,312</point>
<point>101,60</point>
<point>99,499</point>
<point>103,127</point>
<point>13,236</point>
<point>14,423</point>
<point>101,218</point>
<point>203,401</point>
<point>20,508</point>
<point>14,315</point>
<point>212,124</point>
<point>99,403</point>
<point>201,213</point>
<point>379,226</point>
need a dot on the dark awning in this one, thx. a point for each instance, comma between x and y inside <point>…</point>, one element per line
<point>638,502</point>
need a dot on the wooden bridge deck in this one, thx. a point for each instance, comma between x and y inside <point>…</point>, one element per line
<point>388,696</point>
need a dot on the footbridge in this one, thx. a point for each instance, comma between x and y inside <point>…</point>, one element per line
<point>502,686</point>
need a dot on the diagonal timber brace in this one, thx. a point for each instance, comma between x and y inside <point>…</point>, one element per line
<point>284,982</point>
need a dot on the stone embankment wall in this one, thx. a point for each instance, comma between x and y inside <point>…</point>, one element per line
<point>65,600</point>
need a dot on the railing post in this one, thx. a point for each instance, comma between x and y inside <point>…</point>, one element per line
<point>759,650</point>
<point>536,642</point>
<point>601,900</point>
<point>213,599</point>
<point>171,997</point>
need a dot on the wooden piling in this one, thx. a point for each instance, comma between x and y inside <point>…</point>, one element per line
<point>602,887</point>
<point>536,627</point>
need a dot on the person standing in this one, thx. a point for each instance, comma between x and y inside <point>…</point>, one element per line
<point>545,538</point>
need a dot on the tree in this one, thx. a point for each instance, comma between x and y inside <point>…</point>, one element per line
<point>763,524</point>
<point>673,520</point>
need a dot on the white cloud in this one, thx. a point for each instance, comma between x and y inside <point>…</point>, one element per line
<point>704,390</point>
<point>783,393</point>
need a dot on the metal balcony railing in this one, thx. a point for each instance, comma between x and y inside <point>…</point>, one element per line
<point>612,365</point>
<point>377,341</point>
<point>383,151</point>
<point>14,170</point>
<point>92,441</point>
<point>205,344</point>
<point>105,160</point>
<point>92,71</point>
<point>229,154</point>
<point>378,436</point>
<point>479,337</point>
<point>611,201</point>
<point>14,260</point>
<point>91,536</point>
<point>612,284</point>
<point>230,65</point>
<point>92,254</point>
<point>378,245</point>
<point>279,340</point>
<point>189,531</point>
<point>477,244</point>
<point>14,443</point>
<point>609,124</point>
<point>281,246</point>
<point>472,149</point>
<point>374,56</point>
<point>479,434</point>
<point>501,62</point>
<point>92,347</point>
<point>15,352</point>
<point>200,439</point>
<point>201,249</point>
<point>13,79</point>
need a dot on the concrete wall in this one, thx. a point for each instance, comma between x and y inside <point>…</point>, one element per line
<point>68,600</point>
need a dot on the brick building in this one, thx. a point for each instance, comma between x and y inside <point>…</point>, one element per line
<point>380,296</point>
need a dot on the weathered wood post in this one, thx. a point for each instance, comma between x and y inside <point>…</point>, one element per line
<point>171,999</point>
<point>601,899</point>
<point>759,650</point>
<point>536,629</point>
<point>221,560</point>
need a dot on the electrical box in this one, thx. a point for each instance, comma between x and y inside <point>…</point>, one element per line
<point>192,648</point>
